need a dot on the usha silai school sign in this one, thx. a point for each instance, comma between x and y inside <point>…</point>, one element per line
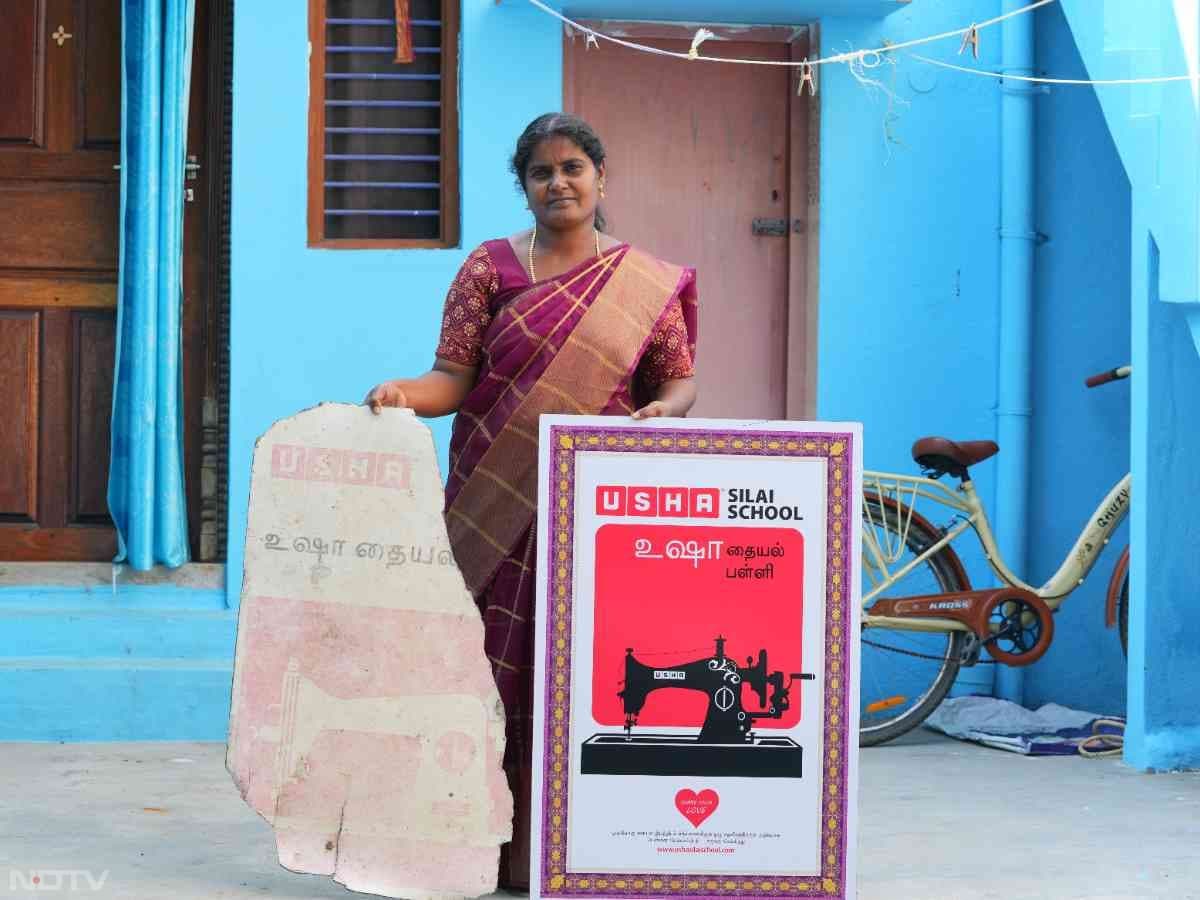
<point>693,503</point>
<point>695,716</point>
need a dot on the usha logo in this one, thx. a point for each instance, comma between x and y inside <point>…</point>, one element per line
<point>50,880</point>
<point>677,502</point>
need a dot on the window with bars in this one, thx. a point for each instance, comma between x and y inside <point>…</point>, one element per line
<point>383,123</point>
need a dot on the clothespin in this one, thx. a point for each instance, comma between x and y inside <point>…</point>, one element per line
<point>970,39</point>
<point>702,35</point>
<point>404,41</point>
<point>808,76</point>
<point>591,42</point>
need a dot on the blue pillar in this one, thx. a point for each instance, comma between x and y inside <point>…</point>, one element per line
<point>1163,730</point>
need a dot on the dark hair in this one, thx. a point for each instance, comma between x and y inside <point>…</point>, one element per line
<point>551,125</point>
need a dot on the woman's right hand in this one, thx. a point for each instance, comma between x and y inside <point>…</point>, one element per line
<point>438,392</point>
<point>386,394</point>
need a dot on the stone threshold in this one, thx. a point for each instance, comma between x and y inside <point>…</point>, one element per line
<point>202,576</point>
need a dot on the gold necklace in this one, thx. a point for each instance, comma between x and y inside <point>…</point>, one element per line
<point>533,243</point>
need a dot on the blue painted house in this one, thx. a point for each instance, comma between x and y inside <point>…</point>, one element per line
<point>957,253</point>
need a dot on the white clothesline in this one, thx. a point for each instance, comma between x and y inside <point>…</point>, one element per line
<point>869,59</point>
<point>848,57</point>
<point>1037,79</point>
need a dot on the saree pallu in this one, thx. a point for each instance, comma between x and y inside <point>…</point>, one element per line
<point>568,345</point>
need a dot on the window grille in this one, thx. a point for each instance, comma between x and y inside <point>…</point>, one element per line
<point>383,135</point>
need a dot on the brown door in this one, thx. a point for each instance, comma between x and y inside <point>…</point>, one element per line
<point>60,121</point>
<point>696,153</point>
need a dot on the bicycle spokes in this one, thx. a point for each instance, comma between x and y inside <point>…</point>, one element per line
<point>904,673</point>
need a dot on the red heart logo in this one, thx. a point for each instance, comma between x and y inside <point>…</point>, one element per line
<point>697,807</point>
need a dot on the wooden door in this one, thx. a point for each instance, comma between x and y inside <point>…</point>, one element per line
<point>696,153</point>
<point>60,123</point>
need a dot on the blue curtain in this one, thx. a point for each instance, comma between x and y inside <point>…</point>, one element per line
<point>145,478</point>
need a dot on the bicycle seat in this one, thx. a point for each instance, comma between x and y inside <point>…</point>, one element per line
<point>939,456</point>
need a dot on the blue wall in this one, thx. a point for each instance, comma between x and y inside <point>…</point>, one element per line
<point>1156,127</point>
<point>1164,631</point>
<point>908,243</point>
<point>313,325</point>
<point>908,262</point>
<point>307,326</point>
<point>908,231</point>
<point>1081,437</point>
<point>908,246</point>
<point>907,329</point>
<point>1156,131</point>
<point>909,251</point>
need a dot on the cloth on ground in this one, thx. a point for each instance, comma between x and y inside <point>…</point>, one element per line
<point>1050,730</point>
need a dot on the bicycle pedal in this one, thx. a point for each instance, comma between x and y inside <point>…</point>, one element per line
<point>972,647</point>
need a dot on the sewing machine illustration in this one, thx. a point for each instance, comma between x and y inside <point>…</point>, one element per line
<point>726,745</point>
<point>451,730</point>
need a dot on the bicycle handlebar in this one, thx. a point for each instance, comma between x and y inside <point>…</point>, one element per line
<point>1111,375</point>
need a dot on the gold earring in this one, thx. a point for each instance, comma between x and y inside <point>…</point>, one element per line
<point>601,190</point>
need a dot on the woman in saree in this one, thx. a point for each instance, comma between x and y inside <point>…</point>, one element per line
<point>561,318</point>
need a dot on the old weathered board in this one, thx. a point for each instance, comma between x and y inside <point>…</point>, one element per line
<point>365,723</point>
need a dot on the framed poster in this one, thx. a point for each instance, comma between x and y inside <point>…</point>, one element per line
<point>696,699</point>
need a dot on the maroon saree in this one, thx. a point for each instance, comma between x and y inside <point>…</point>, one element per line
<point>594,340</point>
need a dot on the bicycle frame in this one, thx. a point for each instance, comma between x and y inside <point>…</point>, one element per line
<point>878,559</point>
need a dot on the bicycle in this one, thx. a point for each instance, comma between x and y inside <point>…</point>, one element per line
<point>914,644</point>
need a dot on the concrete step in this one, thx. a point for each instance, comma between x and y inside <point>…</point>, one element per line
<point>118,633</point>
<point>135,663</point>
<point>114,699</point>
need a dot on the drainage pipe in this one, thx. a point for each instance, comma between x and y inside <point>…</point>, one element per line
<point>1018,241</point>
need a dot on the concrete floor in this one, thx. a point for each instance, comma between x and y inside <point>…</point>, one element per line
<point>939,819</point>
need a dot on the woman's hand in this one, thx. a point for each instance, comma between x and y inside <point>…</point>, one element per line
<point>386,394</point>
<point>652,410</point>
<point>672,398</point>
<point>438,392</point>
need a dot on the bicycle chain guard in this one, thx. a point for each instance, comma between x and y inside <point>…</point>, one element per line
<point>1015,625</point>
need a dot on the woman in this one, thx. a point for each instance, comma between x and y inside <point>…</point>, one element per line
<point>557,319</point>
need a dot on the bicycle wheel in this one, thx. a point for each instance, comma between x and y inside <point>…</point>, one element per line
<point>905,674</point>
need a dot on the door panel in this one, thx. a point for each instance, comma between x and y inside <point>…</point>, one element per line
<point>31,291</point>
<point>696,152</point>
<point>94,347</point>
<point>20,74</point>
<point>60,125</point>
<point>18,412</point>
<point>59,202</point>
<point>57,226</point>
<point>54,420</point>
<point>60,120</point>
<point>101,106</point>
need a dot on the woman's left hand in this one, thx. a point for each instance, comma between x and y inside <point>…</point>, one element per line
<point>652,410</point>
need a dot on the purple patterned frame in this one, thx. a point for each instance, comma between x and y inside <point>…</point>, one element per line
<point>840,617</point>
